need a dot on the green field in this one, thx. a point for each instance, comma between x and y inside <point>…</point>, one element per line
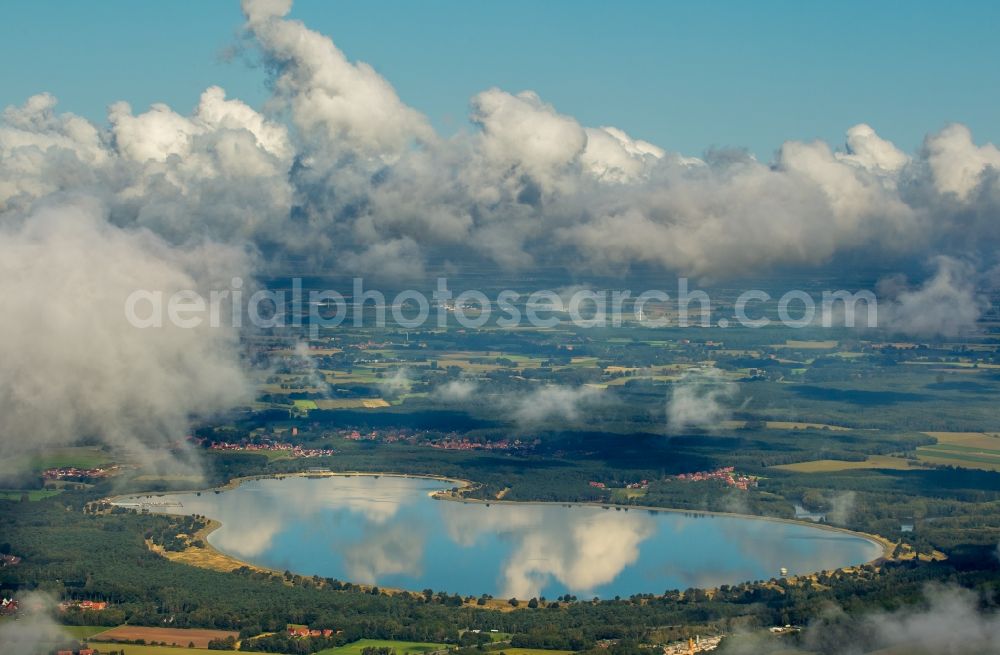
<point>81,457</point>
<point>85,631</point>
<point>178,477</point>
<point>401,647</point>
<point>625,495</point>
<point>533,651</point>
<point>33,494</point>
<point>358,375</point>
<point>131,649</point>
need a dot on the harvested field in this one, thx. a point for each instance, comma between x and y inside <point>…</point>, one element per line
<point>977,450</point>
<point>829,465</point>
<point>351,403</point>
<point>170,636</point>
<point>788,425</point>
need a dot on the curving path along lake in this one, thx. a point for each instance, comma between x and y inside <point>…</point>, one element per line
<point>388,531</point>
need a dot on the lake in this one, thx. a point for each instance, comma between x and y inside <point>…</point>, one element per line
<point>388,531</point>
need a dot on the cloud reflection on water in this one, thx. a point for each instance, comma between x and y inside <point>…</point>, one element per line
<point>581,550</point>
<point>386,531</point>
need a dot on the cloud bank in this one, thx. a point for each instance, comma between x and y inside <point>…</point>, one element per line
<point>74,367</point>
<point>553,402</point>
<point>950,621</point>
<point>340,173</point>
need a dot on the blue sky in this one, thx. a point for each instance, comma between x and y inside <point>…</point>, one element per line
<point>685,76</point>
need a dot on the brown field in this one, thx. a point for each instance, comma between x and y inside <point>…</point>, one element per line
<point>828,465</point>
<point>621,369</point>
<point>945,460</point>
<point>351,403</point>
<point>808,345</point>
<point>360,374</point>
<point>984,440</point>
<point>467,366</point>
<point>618,382</point>
<point>313,352</point>
<point>958,371</point>
<point>664,373</point>
<point>278,391</point>
<point>951,366</point>
<point>974,450</point>
<point>800,425</point>
<point>174,636</point>
<point>787,425</point>
<point>465,361</point>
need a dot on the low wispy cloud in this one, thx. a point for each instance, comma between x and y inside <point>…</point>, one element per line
<point>34,632</point>
<point>950,620</point>
<point>946,304</point>
<point>396,383</point>
<point>306,365</point>
<point>456,391</point>
<point>555,402</point>
<point>75,367</point>
<point>842,508</point>
<point>545,403</point>
<point>700,399</point>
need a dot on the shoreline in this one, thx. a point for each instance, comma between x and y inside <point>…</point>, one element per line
<point>236,482</point>
<point>877,540</point>
<point>210,557</point>
<point>211,552</point>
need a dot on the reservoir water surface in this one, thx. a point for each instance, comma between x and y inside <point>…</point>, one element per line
<point>389,531</point>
